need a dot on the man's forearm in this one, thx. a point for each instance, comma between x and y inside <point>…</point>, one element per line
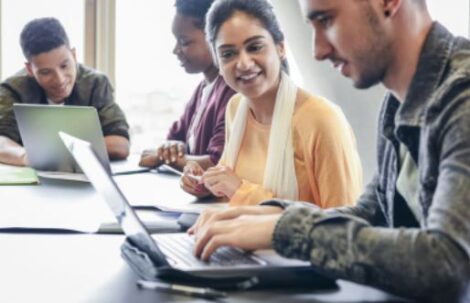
<point>11,152</point>
<point>416,263</point>
<point>117,147</point>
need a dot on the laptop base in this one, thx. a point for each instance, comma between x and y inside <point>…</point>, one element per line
<point>264,278</point>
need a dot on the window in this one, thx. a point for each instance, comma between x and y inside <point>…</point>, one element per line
<point>16,13</point>
<point>151,87</point>
<point>454,14</point>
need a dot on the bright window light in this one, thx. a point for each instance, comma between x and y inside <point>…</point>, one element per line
<point>454,14</point>
<point>151,87</point>
<point>16,13</point>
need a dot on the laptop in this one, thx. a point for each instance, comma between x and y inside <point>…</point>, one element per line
<point>39,125</point>
<point>170,255</point>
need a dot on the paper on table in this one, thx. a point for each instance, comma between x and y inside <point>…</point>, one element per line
<point>154,221</point>
<point>16,175</point>
<point>63,176</point>
<point>193,207</point>
<point>166,194</point>
<point>128,166</point>
<point>78,210</point>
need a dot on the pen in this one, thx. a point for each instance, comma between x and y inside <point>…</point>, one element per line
<point>177,172</point>
<point>202,292</point>
<point>171,169</point>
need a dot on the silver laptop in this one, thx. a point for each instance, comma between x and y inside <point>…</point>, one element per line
<point>175,250</point>
<point>39,125</point>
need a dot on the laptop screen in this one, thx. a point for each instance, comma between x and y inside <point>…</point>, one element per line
<point>107,188</point>
<point>39,125</point>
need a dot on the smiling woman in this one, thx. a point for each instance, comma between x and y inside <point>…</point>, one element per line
<point>281,141</point>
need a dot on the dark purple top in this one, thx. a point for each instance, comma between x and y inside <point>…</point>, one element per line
<point>209,135</point>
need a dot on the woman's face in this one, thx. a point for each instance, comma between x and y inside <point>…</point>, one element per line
<point>191,47</point>
<point>248,58</point>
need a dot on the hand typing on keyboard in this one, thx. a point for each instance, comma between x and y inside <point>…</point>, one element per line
<point>248,228</point>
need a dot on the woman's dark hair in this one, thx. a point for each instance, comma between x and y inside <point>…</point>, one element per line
<point>42,35</point>
<point>261,10</point>
<point>194,8</point>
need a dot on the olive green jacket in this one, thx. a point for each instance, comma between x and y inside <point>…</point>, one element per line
<point>91,89</point>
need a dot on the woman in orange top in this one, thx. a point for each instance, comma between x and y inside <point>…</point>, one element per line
<point>280,140</point>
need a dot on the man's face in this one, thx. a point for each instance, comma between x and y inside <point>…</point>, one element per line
<point>55,71</point>
<point>350,33</point>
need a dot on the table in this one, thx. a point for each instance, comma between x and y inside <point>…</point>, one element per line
<point>88,268</point>
<point>36,266</point>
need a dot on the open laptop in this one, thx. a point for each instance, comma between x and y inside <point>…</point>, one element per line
<point>171,254</point>
<point>39,125</point>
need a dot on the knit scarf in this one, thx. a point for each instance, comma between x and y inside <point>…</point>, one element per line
<point>279,173</point>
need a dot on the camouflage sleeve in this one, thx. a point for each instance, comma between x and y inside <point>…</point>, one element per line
<point>418,264</point>
<point>430,264</point>
<point>112,118</point>
<point>8,125</point>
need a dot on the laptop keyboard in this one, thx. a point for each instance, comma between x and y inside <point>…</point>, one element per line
<point>179,247</point>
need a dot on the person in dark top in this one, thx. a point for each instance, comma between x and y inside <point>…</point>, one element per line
<point>53,76</point>
<point>409,232</point>
<point>199,135</point>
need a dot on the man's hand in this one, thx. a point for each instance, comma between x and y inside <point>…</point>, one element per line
<point>209,216</point>
<point>12,153</point>
<point>247,232</point>
<point>25,160</point>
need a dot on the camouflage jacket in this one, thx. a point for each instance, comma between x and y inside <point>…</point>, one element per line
<point>91,89</point>
<point>379,242</point>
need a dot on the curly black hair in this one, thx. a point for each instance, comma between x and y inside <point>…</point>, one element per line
<point>42,35</point>
<point>194,8</point>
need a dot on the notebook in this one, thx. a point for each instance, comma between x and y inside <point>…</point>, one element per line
<point>170,255</point>
<point>39,125</point>
<point>16,175</point>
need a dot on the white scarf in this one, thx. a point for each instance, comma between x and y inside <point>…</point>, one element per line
<point>279,174</point>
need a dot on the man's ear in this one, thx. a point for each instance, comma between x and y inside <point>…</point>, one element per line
<point>29,69</point>
<point>390,7</point>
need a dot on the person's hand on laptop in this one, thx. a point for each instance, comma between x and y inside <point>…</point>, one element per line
<point>191,181</point>
<point>208,216</point>
<point>170,152</point>
<point>247,232</point>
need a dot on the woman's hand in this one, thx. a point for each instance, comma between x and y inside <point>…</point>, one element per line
<point>221,181</point>
<point>191,180</point>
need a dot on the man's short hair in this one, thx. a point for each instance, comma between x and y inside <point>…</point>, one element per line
<point>194,8</point>
<point>42,35</point>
